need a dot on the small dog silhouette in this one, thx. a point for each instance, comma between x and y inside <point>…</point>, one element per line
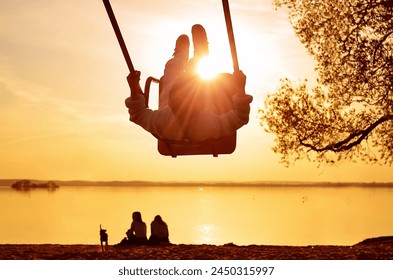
<point>103,239</point>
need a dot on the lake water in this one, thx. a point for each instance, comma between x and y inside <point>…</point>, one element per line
<point>269,215</point>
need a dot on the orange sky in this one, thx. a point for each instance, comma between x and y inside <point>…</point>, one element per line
<point>62,90</point>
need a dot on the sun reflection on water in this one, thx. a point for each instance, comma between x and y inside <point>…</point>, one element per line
<point>207,234</point>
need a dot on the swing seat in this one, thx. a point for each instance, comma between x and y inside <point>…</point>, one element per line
<point>222,103</point>
<point>215,147</point>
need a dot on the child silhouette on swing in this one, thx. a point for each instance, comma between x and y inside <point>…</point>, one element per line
<point>186,111</point>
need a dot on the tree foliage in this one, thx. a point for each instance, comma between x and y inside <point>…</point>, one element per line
<point>349,113</point>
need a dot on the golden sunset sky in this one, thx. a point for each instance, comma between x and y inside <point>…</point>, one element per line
<point>63,85</point>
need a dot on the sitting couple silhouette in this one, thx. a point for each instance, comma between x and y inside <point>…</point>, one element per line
<point>136,234</point>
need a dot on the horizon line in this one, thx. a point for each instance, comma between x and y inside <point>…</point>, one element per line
<point>189,183</point>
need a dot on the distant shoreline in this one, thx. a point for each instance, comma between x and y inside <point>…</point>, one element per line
<point>9,182</point>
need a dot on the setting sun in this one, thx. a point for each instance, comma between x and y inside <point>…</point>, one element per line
<point>207,68</point>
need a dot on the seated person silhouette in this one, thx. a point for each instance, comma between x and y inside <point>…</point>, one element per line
<point>137,232</point>
<point>159,231</point>
<point>186,112</point>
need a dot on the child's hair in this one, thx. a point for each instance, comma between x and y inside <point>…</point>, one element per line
<point>137,216</point>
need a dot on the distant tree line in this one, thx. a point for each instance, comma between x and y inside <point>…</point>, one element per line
<point>25,185</point>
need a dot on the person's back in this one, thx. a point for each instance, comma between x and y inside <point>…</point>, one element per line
<point>188,116</point>
<point>137,232</point>
<point>207,110</point>
<point>139,229</point>
<point>159,231</point>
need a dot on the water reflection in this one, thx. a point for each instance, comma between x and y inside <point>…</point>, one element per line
<point>207,234</point>
<point>213,215</point>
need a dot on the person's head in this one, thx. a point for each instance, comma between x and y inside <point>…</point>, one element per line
<point>199,39</point>
<point>159,220</point>
<point>182,47</point>
<point>137,216</point>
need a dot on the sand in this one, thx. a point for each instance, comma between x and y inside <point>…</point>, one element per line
<point>380,248</point>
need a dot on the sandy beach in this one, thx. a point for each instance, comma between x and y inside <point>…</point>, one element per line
<point>380,248</point>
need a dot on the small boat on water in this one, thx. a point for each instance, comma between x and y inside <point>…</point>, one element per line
<point>25,185</point>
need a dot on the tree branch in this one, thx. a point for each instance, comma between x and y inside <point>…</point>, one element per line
<point>350,141</point>
<point>380,43</point>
